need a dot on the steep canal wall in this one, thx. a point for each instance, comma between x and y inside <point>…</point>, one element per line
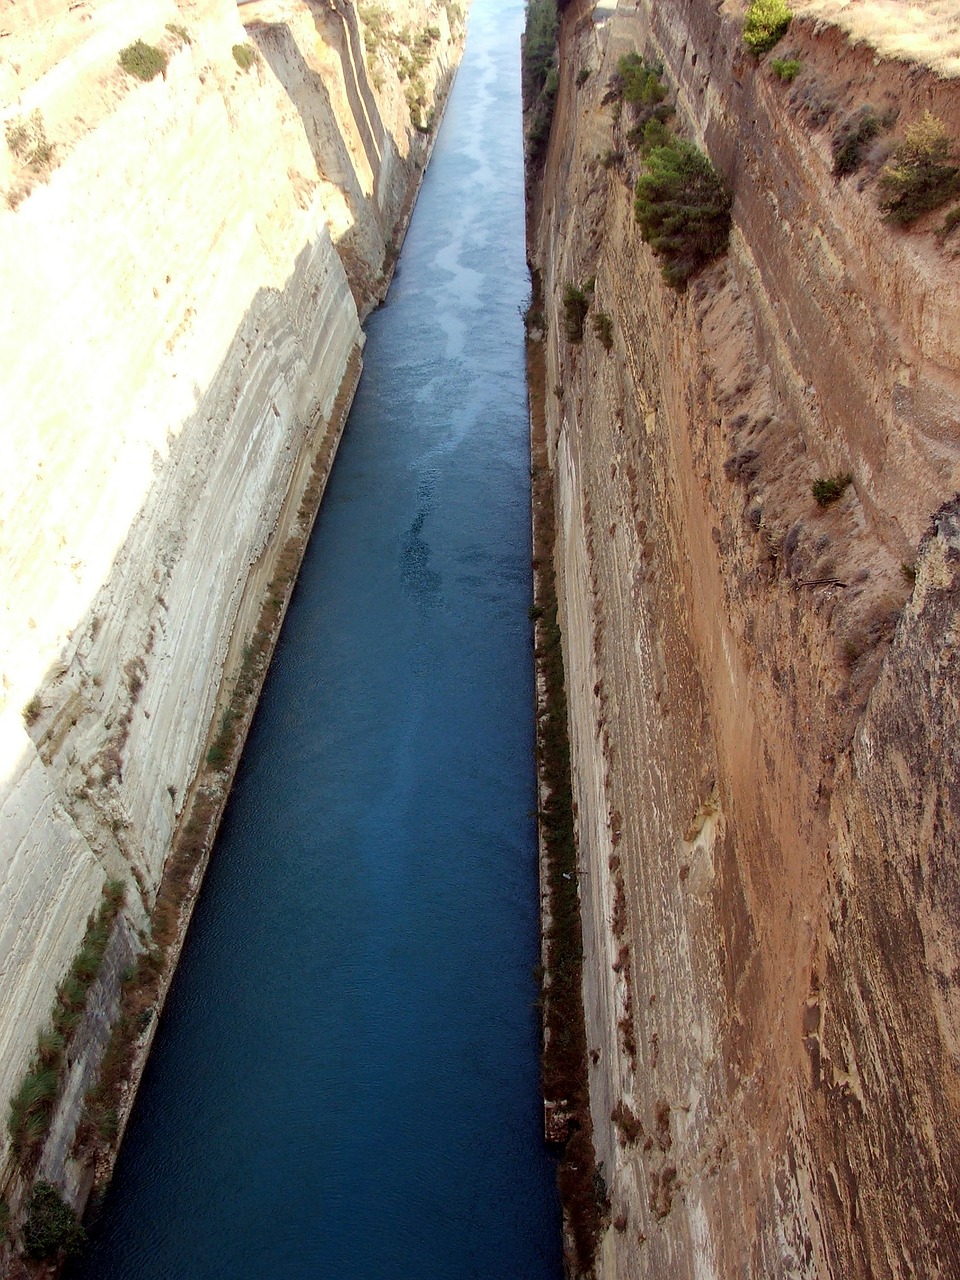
<point>756,558</point>
<point>201,203</point>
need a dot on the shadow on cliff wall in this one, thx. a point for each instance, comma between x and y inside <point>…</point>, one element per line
<point>310,96</point>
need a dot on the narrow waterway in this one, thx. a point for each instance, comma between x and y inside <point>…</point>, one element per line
<point>345,1080</point>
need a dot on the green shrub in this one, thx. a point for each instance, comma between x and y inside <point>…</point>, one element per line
<point>655,134</point>
<point>603,328</point>
<point>766,23</point>
<point>576,303</point>
<point>583,75</point>
<point>922,175</point>
<point>786,69</point>
<point>850,141</point>
<point>144,61</point>
<point>245,56</point>
<point>52,1226</point>
<point>640,80</point>
<point>683,208</point>
<point>32,711</point>
<point>828,489</point>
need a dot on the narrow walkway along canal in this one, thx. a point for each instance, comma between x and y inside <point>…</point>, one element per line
<point>345,1080</point>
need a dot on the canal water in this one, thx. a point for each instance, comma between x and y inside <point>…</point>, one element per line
<point>345,1080</point>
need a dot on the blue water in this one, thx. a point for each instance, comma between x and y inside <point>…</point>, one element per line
<point>345,1079</point>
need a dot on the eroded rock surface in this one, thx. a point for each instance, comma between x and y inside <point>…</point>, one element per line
<point>762,692</point>
<point>185,263</point>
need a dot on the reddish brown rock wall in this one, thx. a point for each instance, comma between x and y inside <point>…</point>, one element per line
<point>763,708</point>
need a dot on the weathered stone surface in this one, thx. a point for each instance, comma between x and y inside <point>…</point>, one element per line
<point>763,706</point>
<point>183,281</point>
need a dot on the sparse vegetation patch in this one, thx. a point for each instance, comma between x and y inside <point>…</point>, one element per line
<point>27,141</point>
<point>852,138</point>
<point>32,1106</point>
<point>180,32</point>
<point>581,1185</point>
<point>641,87</point>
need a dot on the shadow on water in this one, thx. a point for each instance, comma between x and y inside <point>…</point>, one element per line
<point>345,1081</point>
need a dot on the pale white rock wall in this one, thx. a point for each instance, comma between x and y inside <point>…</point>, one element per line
<point>177,321</point>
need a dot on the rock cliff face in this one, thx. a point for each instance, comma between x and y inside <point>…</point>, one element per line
<point>185,262</point>
<point>763,693</point>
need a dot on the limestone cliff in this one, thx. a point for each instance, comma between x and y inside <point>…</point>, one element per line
<point>763,692</point>
<point>185,257</point>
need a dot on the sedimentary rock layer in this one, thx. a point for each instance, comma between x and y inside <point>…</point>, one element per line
<point>185,263</point>
<point>762,692</point>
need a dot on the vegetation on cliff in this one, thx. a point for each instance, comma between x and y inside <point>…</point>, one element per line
<point>540,77</point>
<point>683,208</point>
<point>32,1106</point>
<point>922,175</point>
<point>143,61</point>
<point>52,1226</point>
<point>564,1062</point>
<point>766,23</point>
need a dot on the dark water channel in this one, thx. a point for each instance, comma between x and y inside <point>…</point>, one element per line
<point>345,1080</point>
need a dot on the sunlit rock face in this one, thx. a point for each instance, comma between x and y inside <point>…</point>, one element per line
<point>763,692</point>
<point>185,262</point>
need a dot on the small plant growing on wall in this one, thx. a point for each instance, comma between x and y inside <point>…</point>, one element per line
<point>603,328</point>
<point>828,489</point>
<point>766,23</point>
<point>851,140</point>
<point>245,56</point>
<point>576,303</point>
<point>683,208</point>
<point>143,61</point>
<point>785,69</point>
<point>922,174</point>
